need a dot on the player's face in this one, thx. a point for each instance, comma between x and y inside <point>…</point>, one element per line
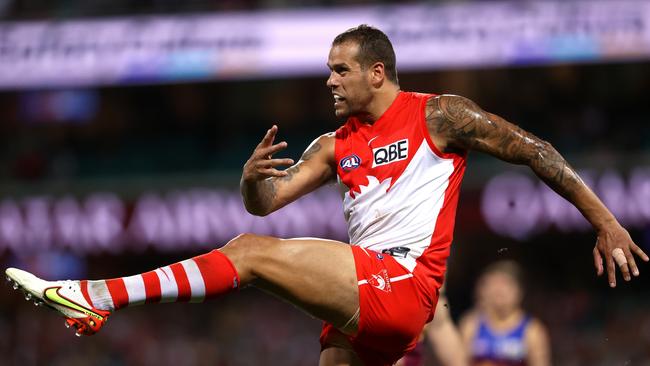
<point>350,83</point>
<point>499,292</point>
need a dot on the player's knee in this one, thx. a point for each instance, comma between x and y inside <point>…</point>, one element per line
<point>243,241</point>
<point>247,246</point>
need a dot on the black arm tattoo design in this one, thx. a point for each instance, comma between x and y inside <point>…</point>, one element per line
<point>267,191</point>
<point>466,126</point>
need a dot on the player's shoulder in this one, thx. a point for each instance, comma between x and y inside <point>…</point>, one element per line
<point>449,109</point>
<point>324,143</point>
<point>321,149</point>
<point>327,138</point>
<point>445,100</point>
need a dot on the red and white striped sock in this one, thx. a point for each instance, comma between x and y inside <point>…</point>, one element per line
<point>192,280</point>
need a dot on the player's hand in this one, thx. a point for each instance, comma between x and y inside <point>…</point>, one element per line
<point>618,249</point>
<point>261,164</point>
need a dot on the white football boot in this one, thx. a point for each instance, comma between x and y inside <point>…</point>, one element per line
<point>62,296</point>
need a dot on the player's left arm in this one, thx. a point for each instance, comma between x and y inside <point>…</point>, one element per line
<point>457,124</point>
<point>537,344</point>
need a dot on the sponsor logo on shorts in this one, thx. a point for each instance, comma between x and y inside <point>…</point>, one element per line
<point>350,162</point>
<point>380,281</point>
<point>398,150</point>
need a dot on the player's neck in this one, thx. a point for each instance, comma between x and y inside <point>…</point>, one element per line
<point>380,103</point>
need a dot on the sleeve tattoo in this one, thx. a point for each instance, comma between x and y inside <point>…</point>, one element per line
<point>466,126</point>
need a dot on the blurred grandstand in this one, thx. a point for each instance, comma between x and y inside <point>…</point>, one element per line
<point>120,175</point>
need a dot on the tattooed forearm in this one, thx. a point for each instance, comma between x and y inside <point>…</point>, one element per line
<point>264,196</point>
<point>465,126</point>
<point>554,170</point>
<point>258,195</point>
<point>291,171</point>
<point>267,190</point>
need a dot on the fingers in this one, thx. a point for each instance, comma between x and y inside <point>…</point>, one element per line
<point>273,163</point>
<point>631,263</point>
<point>611,270</point>
<point>266,152</point>
<point>619,251</point>
<point>267,140</point>
<point>270,150</point>
<point>622,262</point>
<point>271,172</point>
<point>267,169</point>
<point>598,262</point>
<point>634,249</point>
<point>638,251</point>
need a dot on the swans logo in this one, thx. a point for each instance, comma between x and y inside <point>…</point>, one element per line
<point>350,162</point>
<point>380,281</point>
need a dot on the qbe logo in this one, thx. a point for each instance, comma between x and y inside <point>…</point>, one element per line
<point>396,151</point>
<point>350,162</point>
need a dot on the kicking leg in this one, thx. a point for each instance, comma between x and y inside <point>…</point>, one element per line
<point>86,305</point>
<point>318,276</point>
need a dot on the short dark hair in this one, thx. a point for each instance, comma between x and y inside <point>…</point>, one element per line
<point>374,46</point>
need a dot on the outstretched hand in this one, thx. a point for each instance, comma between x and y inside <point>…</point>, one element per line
<point>261,165</point>
<point>616,245</point>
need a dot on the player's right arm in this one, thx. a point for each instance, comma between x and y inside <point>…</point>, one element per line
<point>266,189</point>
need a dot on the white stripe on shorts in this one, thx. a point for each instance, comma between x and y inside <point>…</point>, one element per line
<point>365,251</point>
<point>195,278</point>
<point>168,286</point>
<point>135,288</point>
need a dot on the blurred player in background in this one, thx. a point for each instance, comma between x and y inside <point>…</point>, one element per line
<point>443,337</point>
<point>498,332</point>
<point>399,158</point>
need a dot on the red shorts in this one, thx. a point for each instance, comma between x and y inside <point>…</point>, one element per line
<point>393,308</point>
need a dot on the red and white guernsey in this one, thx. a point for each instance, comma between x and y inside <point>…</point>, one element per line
<point>400,190</point>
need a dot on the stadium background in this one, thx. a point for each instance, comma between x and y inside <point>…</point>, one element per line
<point>118,178</point>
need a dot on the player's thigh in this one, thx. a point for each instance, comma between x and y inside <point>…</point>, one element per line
<point>335,356</point>
<point>314,274</point>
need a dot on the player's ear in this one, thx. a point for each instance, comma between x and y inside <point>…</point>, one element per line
<point>377,74</point>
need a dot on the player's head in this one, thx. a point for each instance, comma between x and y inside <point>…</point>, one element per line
<point>499,288</point>
<point>361,61</point>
